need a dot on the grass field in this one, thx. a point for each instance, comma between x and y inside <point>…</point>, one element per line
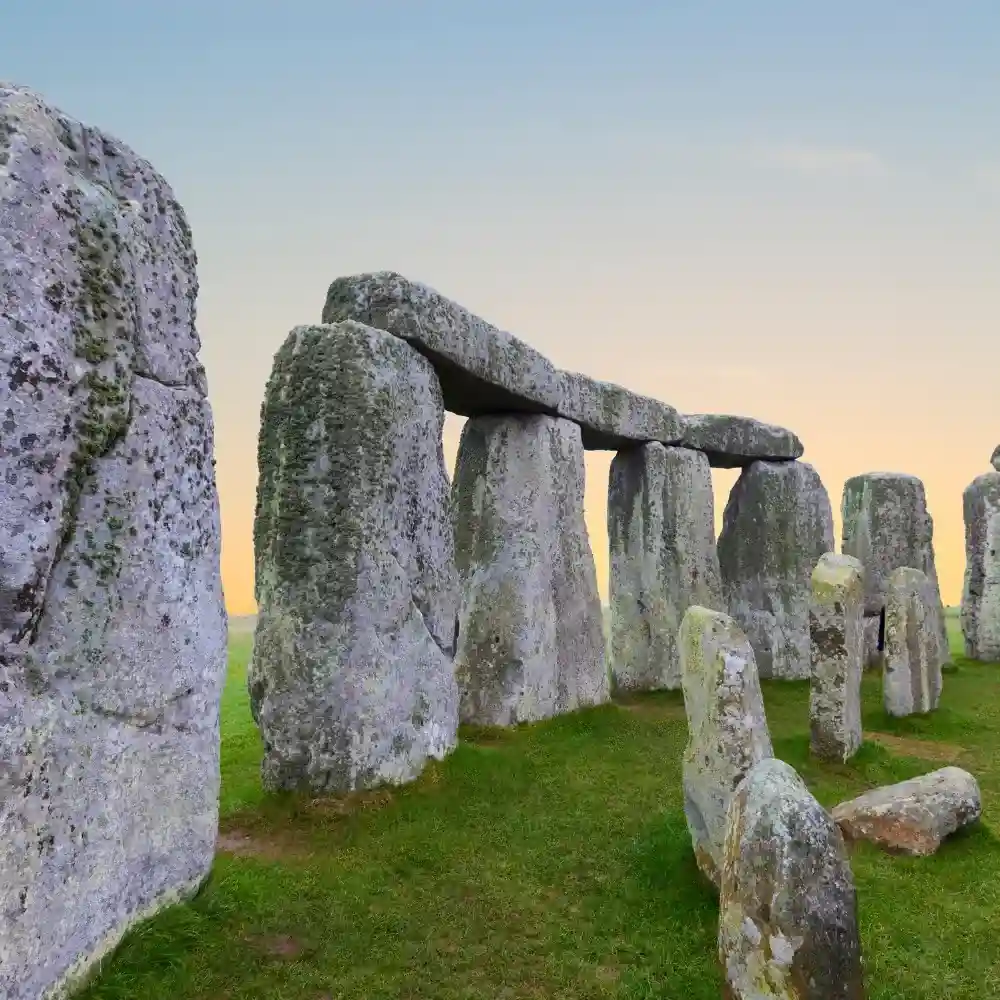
<point>553,861</point>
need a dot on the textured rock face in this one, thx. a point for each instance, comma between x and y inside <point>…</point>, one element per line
<point>777,524</point>
<point>912,656</point>
<point>530,635</point>
<point>788,921</point>
<point>981,501</point>
<point>731,442</point>
<point>988,630</point>
<point>995,458</point>
<point>112,626</point>
<point>663,559</point>
<point>915,816</point>
<point>872,631</point>
<point>727,728</point>
<point>351,680</point>
<point>886,525</point>
<point>837,640</point>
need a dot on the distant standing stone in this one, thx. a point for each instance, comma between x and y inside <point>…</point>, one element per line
<point>837,637</point>
<point>981,590</point>
<point>873,632</point>
<point>663,559</point>
<point>351,680</point>
<point>530,631</point>
<point>915,816</point>
<point>912,665</point>
<point>788,915</point>
<point>995,458</point>
<point>777,524</point>
<point>727,727</point>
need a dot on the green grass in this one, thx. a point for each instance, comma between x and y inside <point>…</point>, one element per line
<point>553,861</point>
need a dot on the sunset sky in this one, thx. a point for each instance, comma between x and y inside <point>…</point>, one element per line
<point>785,210</point>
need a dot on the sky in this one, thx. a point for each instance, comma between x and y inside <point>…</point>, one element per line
<point>779,209</point>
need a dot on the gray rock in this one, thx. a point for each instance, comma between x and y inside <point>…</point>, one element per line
<point>981,500</point>
<point>872,625</point>
<point>886,525</point>
<point>777,524</point>
<point>731,441</point>
<point>727,728</point>
<point>112,626</point>
<point>837,640</point>
<point>663,559</point>
<point>351,680</point>
<point>995,458</point>
<point>915,816</point>
<point>530,634</point>
<point>788,914</point>
<point>911,679</point>
<point>988,631</point>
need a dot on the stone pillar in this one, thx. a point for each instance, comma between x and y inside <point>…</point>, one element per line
<point>912,674</point>
<point>981,500</point>
<point>351,680</point>
<point>530,635</point>
<point>663,559</point>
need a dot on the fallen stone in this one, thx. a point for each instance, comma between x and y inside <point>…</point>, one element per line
<point>731,442</point>
<point>530,631</point>
<point>911,679</point>
<point>663,560</point>
<point>837,641</point>
<point>886,525</point>
<point>112,625</point>
<point>981,601</point>
<point>788,915</point>
<point>995,458</point>
<point>727,727</point>
<point>777,524</point>
<point>351,680</point>
<point>915,816</point>
<point>873,632</point>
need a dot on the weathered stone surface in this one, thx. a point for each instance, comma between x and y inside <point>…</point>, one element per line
<point>777,524</point>
<point>995,458</point>
<point>912,657</point>
<point>530,633</point>
<point>727,728</point>
<point>351,680</point>
<point>873,632</point>
<point>731,441</point>
<point>886,525</point>
<point>663,559</point>
<point>788,915</point>
<point>915,816</point>
<point>837,641</point>
<point>112,625</point>
<point>981,601</point>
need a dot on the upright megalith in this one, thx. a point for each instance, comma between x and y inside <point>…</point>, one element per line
<point>777,524</point>
<point>727,728</point>
<point>886,525</point>
<point>981,590</point>
<point>663,559</point>
<point>912,658</point>
<point>112,624</point>
<point>995,458</point>
<point>837,641</point>
<point>530,635</point>
<point>351,679</point>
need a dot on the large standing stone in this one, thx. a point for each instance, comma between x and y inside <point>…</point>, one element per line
<point>995,458</point>
<point>663,559</point>
<point>837,639</point>
<point>788,914</point>
<point>912,657</point>
<point>777,524</point>
<point>731,441</point>
<point>980,612</point>
<point>112,625</point>
<point>727,728</point>
<point>351,680</point>
<point>873,631</point>
<point>886,525</point>
<point>530,634</point>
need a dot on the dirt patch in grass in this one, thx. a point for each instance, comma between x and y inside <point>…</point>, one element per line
<point>649,708</point>
<point>243,843</point>
<point>348,805</point>
<point>946,753</point>
<point>278,945</point>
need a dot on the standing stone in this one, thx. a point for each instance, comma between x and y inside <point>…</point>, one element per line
<point>912,673</point>
<point>886,525</point>
<point>351,680</point>
<point>663,559</point>
<point>872,625</point>
<point>112,624</point>
<point>777,524</point>
<point>788,913</point>
<point>727,728</point>
<point>837,639</point>
<point>981,615</point>
<point>995,458</point>
<point>530,634</point>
